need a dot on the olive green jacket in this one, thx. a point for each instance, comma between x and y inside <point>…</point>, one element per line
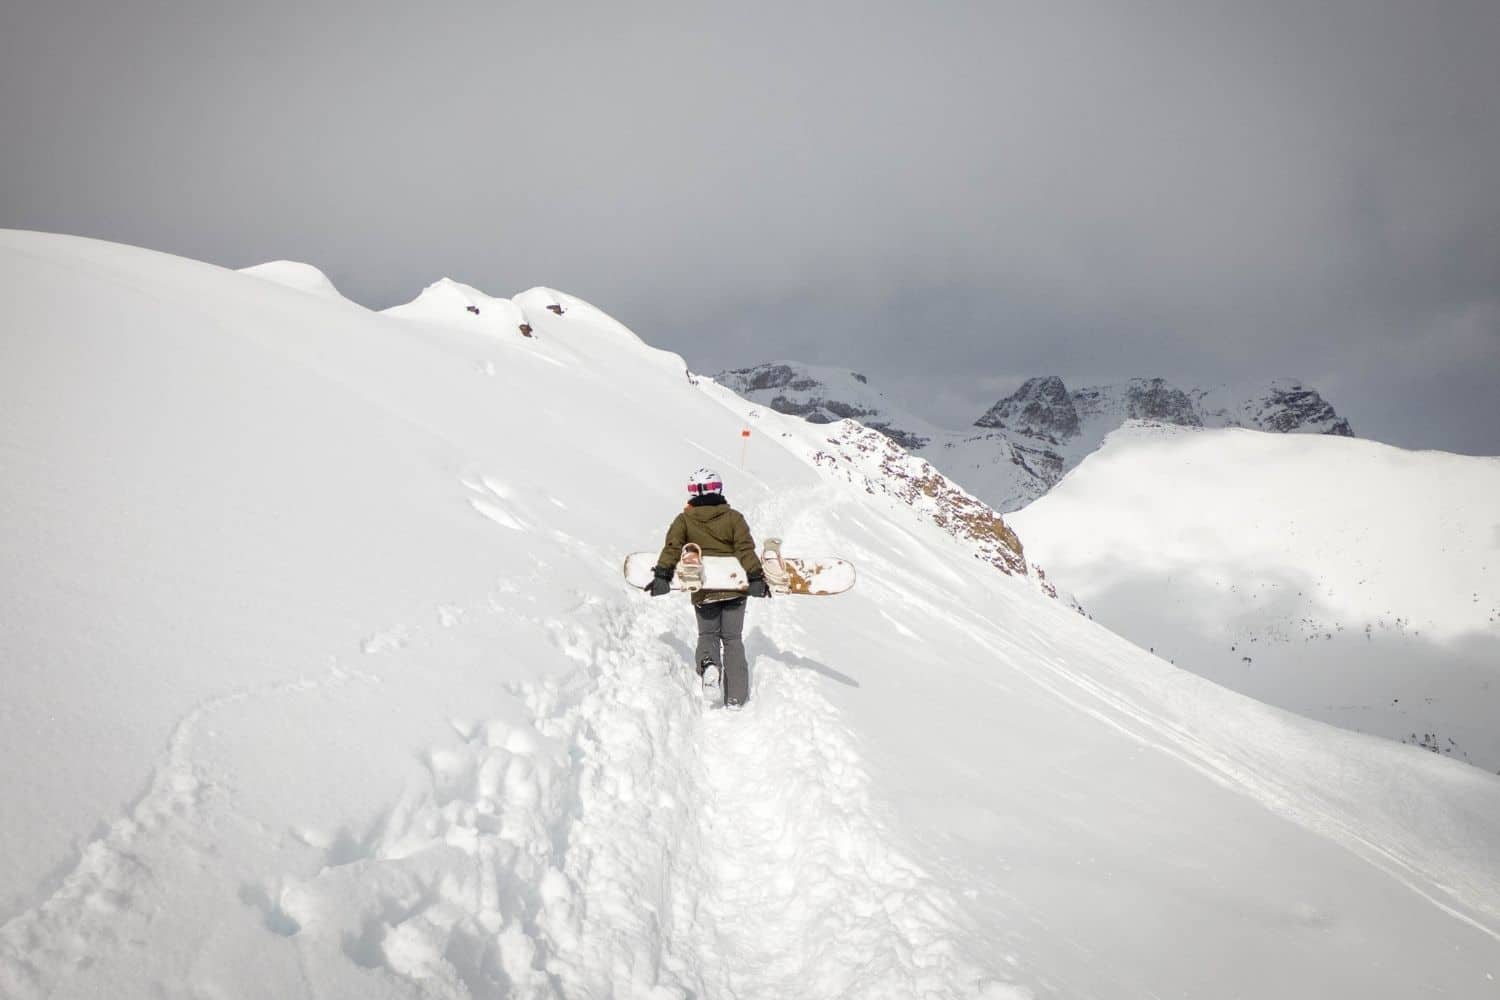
<point>719,530</point>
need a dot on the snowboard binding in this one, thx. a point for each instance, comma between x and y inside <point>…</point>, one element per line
<point>690,567</point>
<point>777,575</point>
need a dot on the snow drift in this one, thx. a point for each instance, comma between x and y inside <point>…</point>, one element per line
<point>321,682</point>
<point>294,274</point>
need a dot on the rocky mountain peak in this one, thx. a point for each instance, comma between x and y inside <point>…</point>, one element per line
<point>1289,406</point>
<point>1028,441</point>
<point>1157,399</point>
<point>1046,409</point>
<point>1041,408</point>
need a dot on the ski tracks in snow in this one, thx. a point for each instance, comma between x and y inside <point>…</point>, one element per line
<point>626,842</point>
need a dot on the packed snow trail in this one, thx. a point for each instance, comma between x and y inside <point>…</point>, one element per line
<point>807,896</point>
<point>628,842</point>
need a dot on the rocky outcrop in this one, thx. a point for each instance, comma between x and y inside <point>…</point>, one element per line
<point>820,396</point>
<point>818,410</point>
<point>906,439</point>
<point>874,462</point>
<point>772,376</point>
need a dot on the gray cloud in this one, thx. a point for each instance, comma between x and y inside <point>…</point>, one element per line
<point>1212,190</point>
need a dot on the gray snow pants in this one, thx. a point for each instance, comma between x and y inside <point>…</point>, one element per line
<point>721,623</point>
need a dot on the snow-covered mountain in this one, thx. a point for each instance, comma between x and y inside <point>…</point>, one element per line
<point>1346,580</point>
<point>1060,427</point>
<point>1020,447</point>
<point>321,681</point>
<point>1044,409</point>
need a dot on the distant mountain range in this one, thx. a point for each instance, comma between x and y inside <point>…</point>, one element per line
<point>1020,447</point>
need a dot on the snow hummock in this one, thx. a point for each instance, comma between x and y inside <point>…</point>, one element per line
<point>1347,580</point>
<point>293,274</point>
<point>321,680</point>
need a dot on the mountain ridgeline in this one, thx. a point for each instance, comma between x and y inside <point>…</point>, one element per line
<point>1043,408</point>
<point>1020,447</point>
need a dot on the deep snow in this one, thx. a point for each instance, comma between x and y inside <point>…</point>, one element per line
<point>321,682</point>
<point>1347,580</point>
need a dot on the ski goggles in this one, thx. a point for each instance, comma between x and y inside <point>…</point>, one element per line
<point>698,489</point>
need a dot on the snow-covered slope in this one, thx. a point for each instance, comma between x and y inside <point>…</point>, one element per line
<point>1020,447</point>
<point>1347,580</point>
<point>321,681</point>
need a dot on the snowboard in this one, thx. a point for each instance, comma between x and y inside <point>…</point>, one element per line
<point>814,577</point>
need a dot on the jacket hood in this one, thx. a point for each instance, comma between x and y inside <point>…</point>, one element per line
<point>706,513</point>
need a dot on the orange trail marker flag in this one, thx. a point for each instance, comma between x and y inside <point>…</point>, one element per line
<point>744,445</point>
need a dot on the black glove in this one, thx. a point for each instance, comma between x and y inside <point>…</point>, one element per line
<point>758,586</point>
<point>661,583</point>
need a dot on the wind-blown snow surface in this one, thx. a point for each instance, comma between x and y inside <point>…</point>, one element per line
<point>1347,580</point>
<point>320,681</point>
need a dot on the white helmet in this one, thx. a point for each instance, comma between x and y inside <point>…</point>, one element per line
<point>705,481</point>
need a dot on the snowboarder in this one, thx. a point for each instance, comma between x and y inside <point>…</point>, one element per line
<point>719,530</point>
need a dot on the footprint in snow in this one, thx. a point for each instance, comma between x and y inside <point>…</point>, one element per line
<point>385,642</point>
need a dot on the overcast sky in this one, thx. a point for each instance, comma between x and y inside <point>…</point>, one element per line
<point>979,191</point>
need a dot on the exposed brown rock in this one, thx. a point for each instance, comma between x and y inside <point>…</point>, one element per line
<point>869,458</point>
